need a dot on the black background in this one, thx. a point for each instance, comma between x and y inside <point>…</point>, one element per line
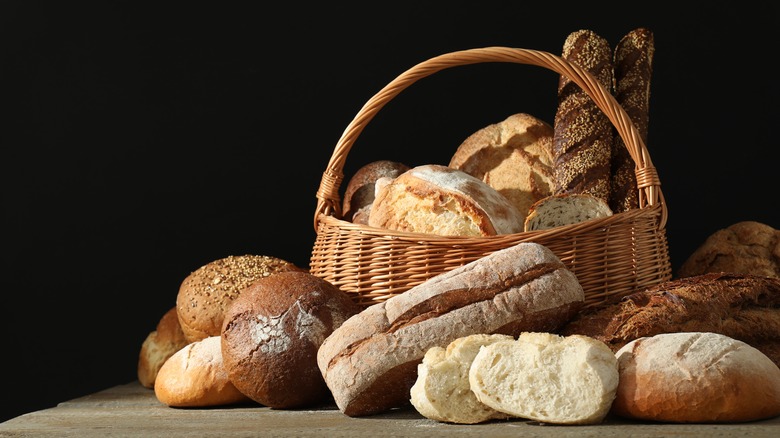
<point>139,143</point>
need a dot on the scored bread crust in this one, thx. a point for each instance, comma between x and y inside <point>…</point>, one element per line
<point>370,362</point>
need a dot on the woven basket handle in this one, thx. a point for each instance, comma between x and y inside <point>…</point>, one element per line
<point>648,183</point>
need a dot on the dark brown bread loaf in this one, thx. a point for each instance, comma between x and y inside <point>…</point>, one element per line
<point>743,307</point>
<point>360,191</point>
<point>583,135</point>
<point>633,63</point>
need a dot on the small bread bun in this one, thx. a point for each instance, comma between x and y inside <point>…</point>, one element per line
<point>195,377</point>
<point>359,194</point>
<point>271,335</point>
<point>695,377</point>
<point>565,209</point>
<point>159,345</point>
<point>206,293</point>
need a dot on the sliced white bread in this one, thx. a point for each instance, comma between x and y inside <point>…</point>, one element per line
<point>565,209</point>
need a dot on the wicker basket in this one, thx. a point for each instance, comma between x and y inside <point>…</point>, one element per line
<point>611,257</point>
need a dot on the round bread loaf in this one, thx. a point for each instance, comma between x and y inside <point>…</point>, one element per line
<point>513,156</point>
<point>272,332</point>
<point>206,293</point>
<point>440,200</point>
<point>359,194</point>
<point>159,345</point>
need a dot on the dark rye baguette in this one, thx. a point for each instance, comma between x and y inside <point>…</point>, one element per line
<point>583,134</point>
<point>370,361</point>
<point>633,63</point>
<point>741,306</point>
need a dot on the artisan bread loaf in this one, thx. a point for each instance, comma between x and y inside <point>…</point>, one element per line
<point>370,362</point>
<point>206,293</point>
<point>583,135</point>
<point>746,247</point>
<point>272,332</point>
<point>440,200</point>
<point>743,307</point>
<point>359,194</point>
<point>442,390</point>
<point>513,156</point>
<point>565,209</point>
<point>159,345</point>
<point>195,377</point>
<point>695,377</point>
<point>547,378</point>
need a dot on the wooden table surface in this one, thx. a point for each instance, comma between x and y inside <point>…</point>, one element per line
<point>132,410</point>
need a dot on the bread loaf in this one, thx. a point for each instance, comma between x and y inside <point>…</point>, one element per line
<point>359,194</point>
<point>159,345</point>
<point>513,156</point>
<point>692,377</point>
<point>271,334</point>
<point>547,378</point>
<point>565,209</point>
<point>435,199</point>
<point>206,293</point>
<point>583,135</point>
<point>743,307</point>
<point>370,362</point>
<point>633,63</point>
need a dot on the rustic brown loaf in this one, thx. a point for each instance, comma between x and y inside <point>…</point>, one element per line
<point>206,293</point>
<point>159,345</point>
<point>271,335</point>
<point>583,135</point>
<point>746,247</point>
<point>512,156</point>
<point>370,362</point>
<point>743,307</point>
<point>633,62</point>
<point>695,377</point>
<point>359,194</point>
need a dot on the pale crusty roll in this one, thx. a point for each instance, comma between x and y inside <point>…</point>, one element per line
<point>159,345</point>
<point>695,377</point>
<point>370,362</point>
<point>583,135</point>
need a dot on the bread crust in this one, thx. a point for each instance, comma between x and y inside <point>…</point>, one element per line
<point>159,345</point>
<point>359,194</point>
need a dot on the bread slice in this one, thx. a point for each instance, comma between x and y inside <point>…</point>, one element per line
<point>565,209</point>
<point>442,391</point>
<point>547,378</point>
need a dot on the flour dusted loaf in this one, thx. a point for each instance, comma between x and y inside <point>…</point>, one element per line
<point>547,378</point>
<point>695,377</point>
<point>565,209</point>
<point>370,362</point>
<point>440,200</point>
<point>359,194</point>
<point>272,332</point>
<point>159,345</point>
<point>206,293</point>
<point>513,156</point>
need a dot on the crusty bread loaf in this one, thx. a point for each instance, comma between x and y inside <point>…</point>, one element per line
<point>695,377</point>
<point>442,390</point>
<point>370,362</point>
<point>633,63</point>
<point>435,199</point>
<point>565,209</point>
<point>195,377</point>
<point>271,334</point>
<point>513,156</point>
<point>744,307</point>
<point>159,345</point>
<point>547,378</point>
<point>206,293</point>
<point>746,247</point>
<point>359,194</point>
<point>583,135</point>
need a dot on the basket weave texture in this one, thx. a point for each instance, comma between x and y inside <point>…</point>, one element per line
<point>611,257</point>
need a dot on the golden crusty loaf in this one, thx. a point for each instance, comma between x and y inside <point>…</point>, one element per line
<point>159,345</point>
<point>513,156</point>
<point>440,200</point>
<point>695,377</point>
<point>583,135</point>
<point>743,307</point>
<point>633,63</point>
<point>360,193</point>
<point>370,362</point>
<point>206,293</point>
<point>746,247</point>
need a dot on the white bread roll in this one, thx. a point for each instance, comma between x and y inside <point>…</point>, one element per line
<point>565,209</point>
<point>195,377</point>
<point>159,345</point>
<point>435,199</point>
<point>442,391</point>
<point>695,377</point>
<point>547,378</point>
